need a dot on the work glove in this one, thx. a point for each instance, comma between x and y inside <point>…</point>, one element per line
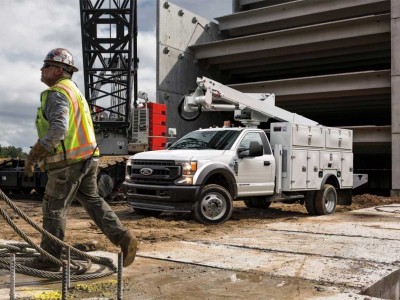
<point>37,152</point>
<point>29,168</point>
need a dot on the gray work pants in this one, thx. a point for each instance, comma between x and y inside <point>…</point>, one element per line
<point>66,184</point>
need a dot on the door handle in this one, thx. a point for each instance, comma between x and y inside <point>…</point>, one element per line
<point>267,163</point>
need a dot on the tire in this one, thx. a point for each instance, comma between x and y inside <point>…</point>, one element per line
<point>214,205</point>
<point>326,200</point>
<point>257,202</point>
<point>249,203</point>
<point>147,212</point>
<point>310,203</point>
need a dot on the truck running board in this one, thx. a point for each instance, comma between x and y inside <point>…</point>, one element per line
<point>283,197</point>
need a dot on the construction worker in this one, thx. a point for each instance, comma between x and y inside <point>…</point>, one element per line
<point>67,150</point>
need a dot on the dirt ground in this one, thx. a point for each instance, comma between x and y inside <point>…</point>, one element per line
<point>169,227</point>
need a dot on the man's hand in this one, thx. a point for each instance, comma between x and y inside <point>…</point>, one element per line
<point>37,152</point>
<point>29,168</point>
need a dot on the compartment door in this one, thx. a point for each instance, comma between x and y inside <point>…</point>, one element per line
<point>347,169</point>
<point>313,181</point>
<point>298,169</point>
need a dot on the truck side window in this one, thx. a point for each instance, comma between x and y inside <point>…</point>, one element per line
<point>255,136</point>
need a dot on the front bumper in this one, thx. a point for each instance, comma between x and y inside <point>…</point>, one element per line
<point>161,197</point>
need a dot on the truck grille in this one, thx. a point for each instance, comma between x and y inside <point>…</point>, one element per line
<point>154,172</point>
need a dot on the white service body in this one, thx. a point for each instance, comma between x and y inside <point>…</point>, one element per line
<point>309,153</point>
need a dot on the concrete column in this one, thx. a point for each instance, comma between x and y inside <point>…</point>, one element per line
<point>177,70</point>
<point>395,83</point>
<point>236,7</point>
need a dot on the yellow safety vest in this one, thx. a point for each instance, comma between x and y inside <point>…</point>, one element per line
<point>80,142</point>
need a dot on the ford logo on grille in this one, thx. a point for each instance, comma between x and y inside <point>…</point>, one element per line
<point>146,171</point>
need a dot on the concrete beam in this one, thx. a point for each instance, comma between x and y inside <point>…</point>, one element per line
<point>298,13</point>
<point>333,105</point>
<point>373,140</point>
<point>378,49</point>
<point>262,2</point>
<point>339,34</point>
<point>371,134</point>
<point>325,63</point>
<point>247,2</point>
<point>348,84</point>
<point>313,51</point>
<point>308,68</point>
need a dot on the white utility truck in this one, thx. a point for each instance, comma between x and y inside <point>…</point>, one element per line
<point>204,171</point>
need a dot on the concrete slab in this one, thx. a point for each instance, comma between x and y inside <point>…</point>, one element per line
<point>343,255</point>
<point>354,250</point>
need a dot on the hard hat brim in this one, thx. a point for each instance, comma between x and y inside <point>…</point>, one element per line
<point>62,65</point>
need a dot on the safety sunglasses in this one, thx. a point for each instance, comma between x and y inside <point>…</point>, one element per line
<point>47,65</point>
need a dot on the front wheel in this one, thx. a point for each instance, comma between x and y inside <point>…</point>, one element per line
<point>214,206</point>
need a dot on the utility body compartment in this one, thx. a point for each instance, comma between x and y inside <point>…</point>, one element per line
<point>310,153</point>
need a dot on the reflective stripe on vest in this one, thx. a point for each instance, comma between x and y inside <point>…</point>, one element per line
<point>73,154</point>
<point>81,132</point>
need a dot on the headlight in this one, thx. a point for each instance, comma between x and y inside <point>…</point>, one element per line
<point>128,169</point>
<point>189,168</point>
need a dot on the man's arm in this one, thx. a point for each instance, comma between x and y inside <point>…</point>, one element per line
<point>56,112</point>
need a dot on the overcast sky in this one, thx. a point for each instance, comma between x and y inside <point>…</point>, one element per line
<point>29,29</point>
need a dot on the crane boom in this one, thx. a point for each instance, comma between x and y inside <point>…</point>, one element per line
<point>211,95</point>
<point>109,34</point>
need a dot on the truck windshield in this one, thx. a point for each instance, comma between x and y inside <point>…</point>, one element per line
<point>218,140</point>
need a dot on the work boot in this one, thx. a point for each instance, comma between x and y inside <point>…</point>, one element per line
<point>41,264</point>
<point>128,247</point>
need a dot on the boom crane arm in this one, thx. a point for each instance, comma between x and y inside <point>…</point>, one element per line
<point>211,95</point>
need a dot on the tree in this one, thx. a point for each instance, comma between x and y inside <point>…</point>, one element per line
<point>12,152</point>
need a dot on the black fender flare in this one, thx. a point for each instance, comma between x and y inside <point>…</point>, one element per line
<point>323,182</point>
<point>222,169</point>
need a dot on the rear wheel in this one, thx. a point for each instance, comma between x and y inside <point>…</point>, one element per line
<point>214,206</point>
<point>326,200</point>
<point>310,203</point>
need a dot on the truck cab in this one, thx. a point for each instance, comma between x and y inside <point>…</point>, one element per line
<point>202,173</point>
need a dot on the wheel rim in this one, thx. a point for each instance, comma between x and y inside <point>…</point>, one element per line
<point>330,201</point>
<point>213,206</point>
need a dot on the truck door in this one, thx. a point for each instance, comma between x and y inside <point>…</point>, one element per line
<point>256,175</point>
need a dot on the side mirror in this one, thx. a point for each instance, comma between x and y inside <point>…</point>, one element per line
<point>255,149</point>
<point>167,145</point>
